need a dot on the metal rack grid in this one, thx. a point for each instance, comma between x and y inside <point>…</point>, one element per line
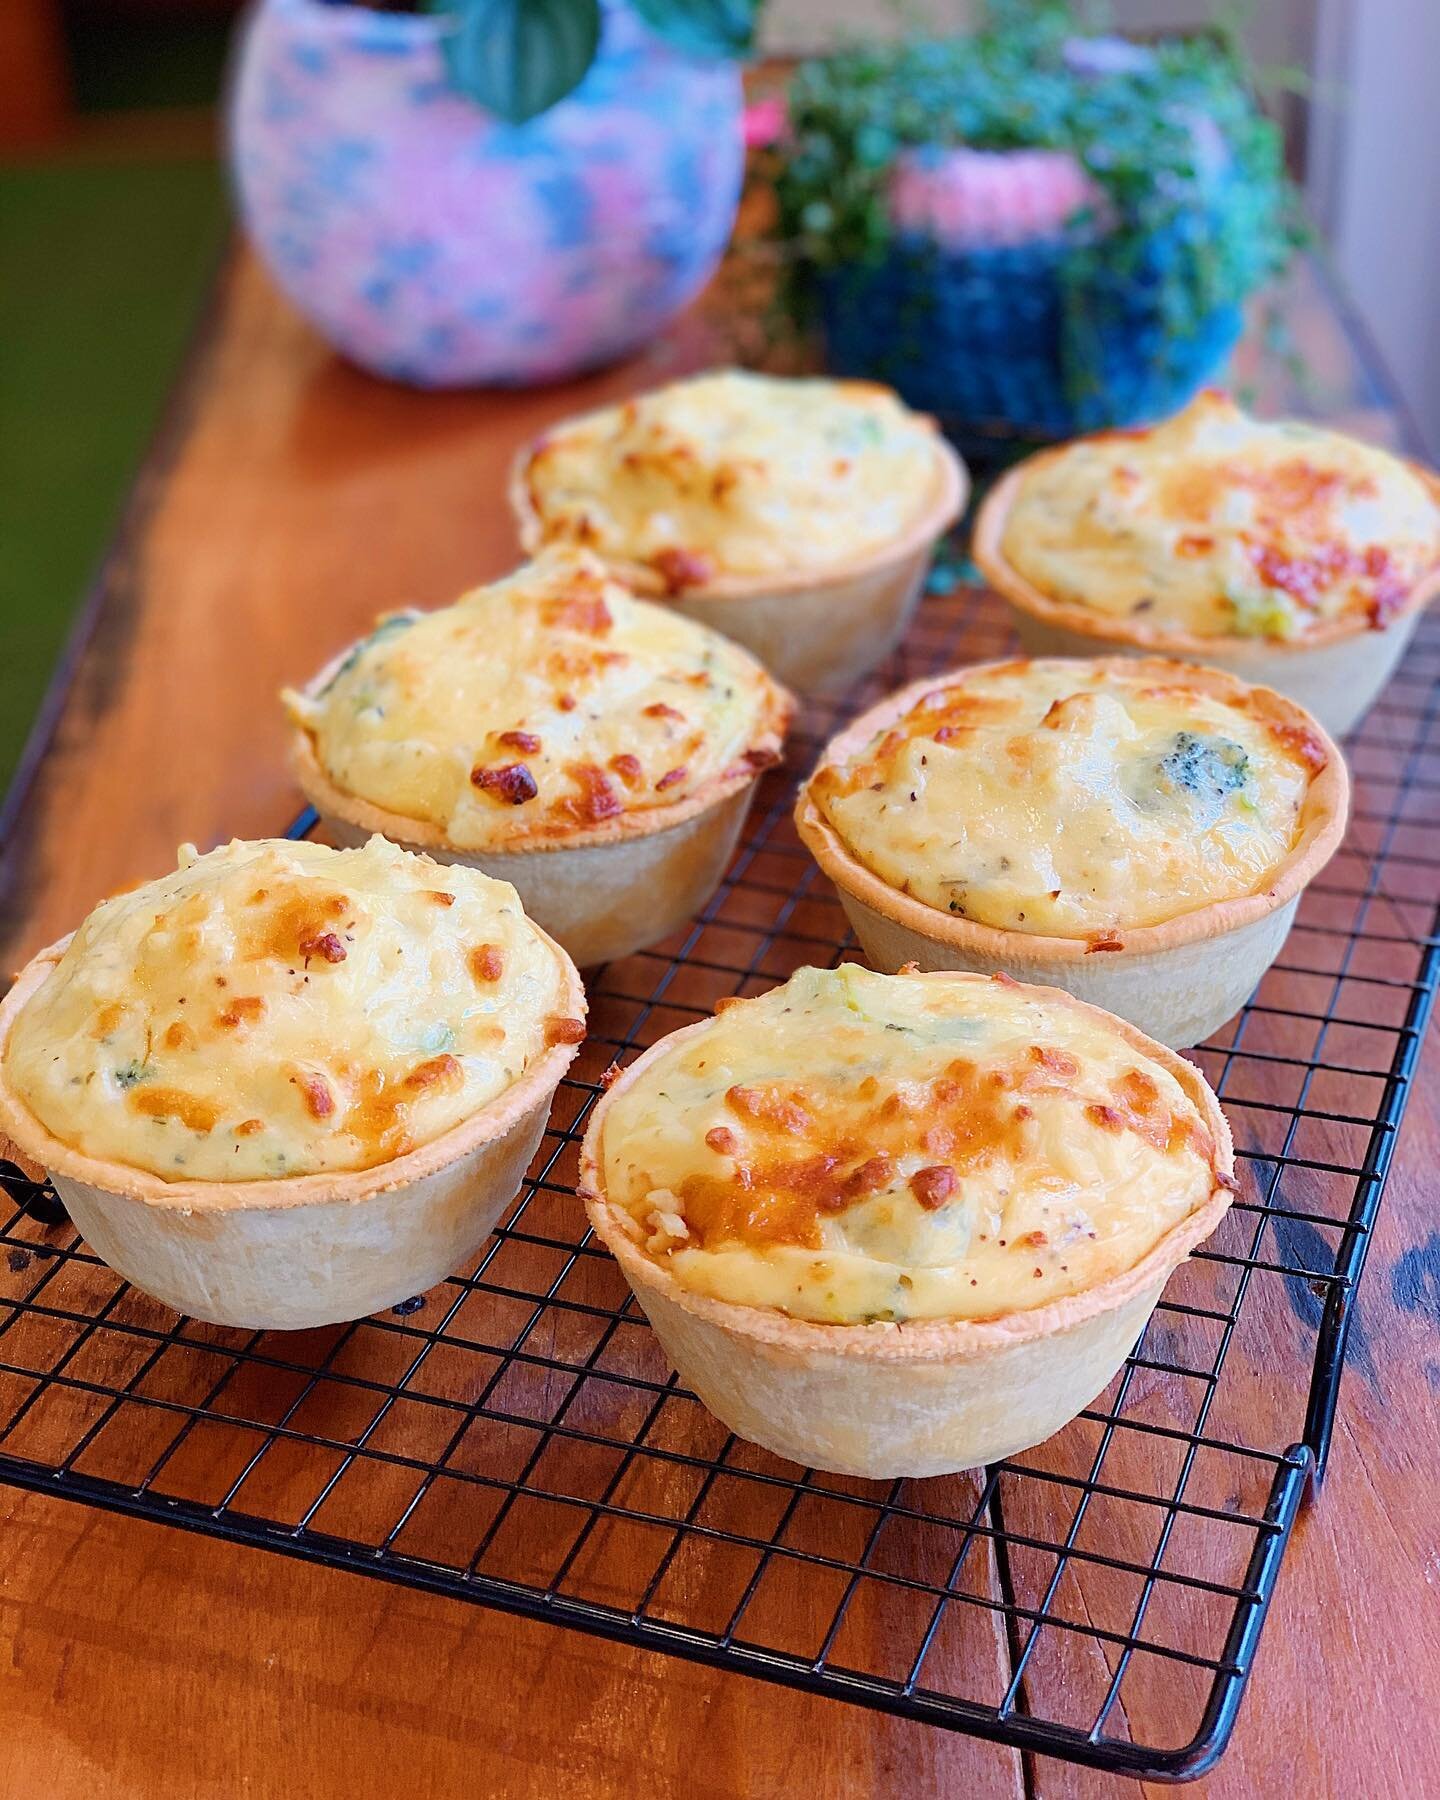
<point>515,1438</point>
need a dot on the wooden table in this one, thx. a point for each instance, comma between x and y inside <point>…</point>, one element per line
<point>288,500</point>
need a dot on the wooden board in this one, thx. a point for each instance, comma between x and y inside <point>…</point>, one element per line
<point>289,501</point>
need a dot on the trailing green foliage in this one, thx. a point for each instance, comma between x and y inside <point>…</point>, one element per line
<point>518,58</point>
<point>1140,132</point>
<point>702,27</point>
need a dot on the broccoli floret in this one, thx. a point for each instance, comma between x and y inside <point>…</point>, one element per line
<point>1260,613</point>
<point>863,433</point>
<point>1207,767</point>
<point>387,628</point>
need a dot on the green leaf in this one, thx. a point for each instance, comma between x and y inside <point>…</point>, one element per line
<point>518,57</point>
<point>702,27</point>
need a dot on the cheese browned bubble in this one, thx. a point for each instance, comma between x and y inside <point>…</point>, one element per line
<point>852,1147</point>
<point>539,708</point>
<point>1071,799</point>
<point>1215,524</point>
<point>277,1009</point>
<point>736,474</point>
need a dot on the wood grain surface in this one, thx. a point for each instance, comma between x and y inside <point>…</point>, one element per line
<point>289,500</point>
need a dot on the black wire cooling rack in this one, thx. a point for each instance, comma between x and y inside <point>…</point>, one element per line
<point>514,1437</point>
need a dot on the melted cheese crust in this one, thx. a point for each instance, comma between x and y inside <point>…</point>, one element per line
<point>736,474</point>
<point>277,1009</point>
<point>1215,524</point>
<point>1071,799</point>
<point>540,707</point>
<point>852,1147</point>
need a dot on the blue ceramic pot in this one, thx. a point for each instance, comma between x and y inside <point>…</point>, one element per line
<point>975,336</point>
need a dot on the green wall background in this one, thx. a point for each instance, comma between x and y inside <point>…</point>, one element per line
<point>102,269</point>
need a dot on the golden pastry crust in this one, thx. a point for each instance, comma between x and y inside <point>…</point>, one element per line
<point>249,1023</point>
<point>1319,829</point>
<point>732,483</point>
<point>307,1250</point>
<point>923,1397</point>
<point>1180,577</point>
<point>552,710</point>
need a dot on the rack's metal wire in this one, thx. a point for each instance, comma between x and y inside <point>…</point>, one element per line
<point>514,1437</point>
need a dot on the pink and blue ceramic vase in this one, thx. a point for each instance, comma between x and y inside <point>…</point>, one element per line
<point>433,243</point>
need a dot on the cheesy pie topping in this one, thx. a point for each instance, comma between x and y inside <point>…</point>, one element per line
<point>853,1147</point>
<point>1216,524</point>
<point>736,474</point>
<point>1073,799</point>
<point>540,707</point>
<point>277,1009</point>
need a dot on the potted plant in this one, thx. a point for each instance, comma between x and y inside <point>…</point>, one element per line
<point>482,191</point>
<point>1029,231</point>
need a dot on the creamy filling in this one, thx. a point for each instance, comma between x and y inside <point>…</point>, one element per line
<point>737,474</point>
<point>852,1148</point>
<point>1066,800</point>
<point>279,1009</point>
<point>541,707</point>
<point>1215,524</point>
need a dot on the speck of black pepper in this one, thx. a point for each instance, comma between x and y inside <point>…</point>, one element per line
<point>403,1308</point>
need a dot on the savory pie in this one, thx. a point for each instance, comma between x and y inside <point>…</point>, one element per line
<point>797,515</point>
<point>595,750</point>
<point>903,1224</point>
<point>287,1084</point>
<point>1284,552</point>
<point>1135,830</point>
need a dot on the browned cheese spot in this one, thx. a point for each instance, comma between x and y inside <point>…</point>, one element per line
<point>487,962</point>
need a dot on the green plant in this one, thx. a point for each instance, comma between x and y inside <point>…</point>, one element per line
<point>1136,129</point>
<point>518,57</point>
